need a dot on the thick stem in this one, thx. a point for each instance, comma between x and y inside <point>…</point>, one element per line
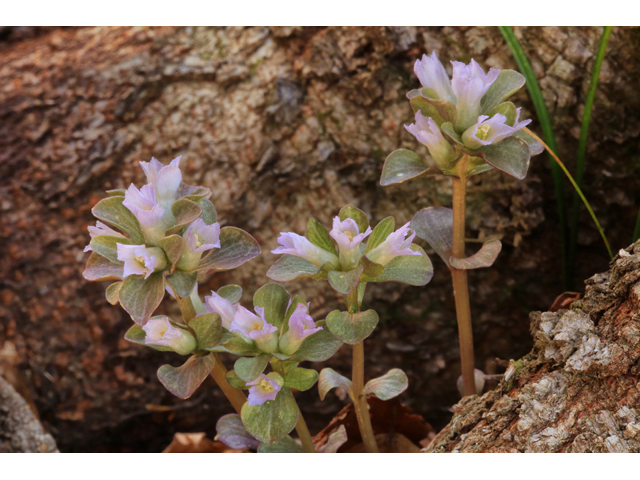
<point>460,286</point>
<point>233,394</point>
<point>357,389</point>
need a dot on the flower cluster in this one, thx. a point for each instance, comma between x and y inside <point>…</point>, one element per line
<point>329,255</point>
<point>465,116</point>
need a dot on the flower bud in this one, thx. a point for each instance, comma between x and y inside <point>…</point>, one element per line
<point>141,260</point>
<point>256,328</point>
<point>469,84</point>
<point>393,246</point>
<point>159,331</point>
<point>294,244</point>
<point>151,215</point>
<point>301,325</point>
<point>347,235</point>
<point>428,133</point>
<point>198,238</point>
<point>432,75</point>
<point>214,303</point>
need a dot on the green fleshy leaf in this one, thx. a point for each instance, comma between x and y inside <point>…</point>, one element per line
<point>285,445</point>
<point>194,193</point>
<point>209,214</point>
<point>507,109</point>
<point>232,433</point>
<point>112,211</point>
<point>345,282</point>
<point>390,385</point>
<point>184,381</point>
<point>117,192</point>
<point>318,235</point>
<point>321,276</point>
<point>301,379</point>
<point>289,267</point>
<point>250,368</point>
<point>535,147</point>
<point>235,381</point>
<point>510,155</point>
<point>236,248</point>
<point>329,379</point>
<point>101,268</point>
<point>318,347</point>
<point>140,297</point>
<point>482,259</point>
<point>136,334</point>
<point>402,165</point>
<point>274,298</point>
<point>450,133</point>
<point>414,270</point>
<point>172,246</point>
<point>352,328</point>
<point>273,420</point>
<point>435,225</point>
<point>183,282</point>
<point>477,165</point>
<point>107,246</point>
<point>233,293</point>
<point>380,233</point>
<point>112,293</point>
<point>362,286</point>
<point>507,83</point>
<point>208,330</point>
<point>238,346</point>
<point>371,269</point>
<point>185,211</point>
<point>440,110</point>
<point>349,211</point>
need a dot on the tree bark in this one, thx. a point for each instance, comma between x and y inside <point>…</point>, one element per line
<point>577,391</point>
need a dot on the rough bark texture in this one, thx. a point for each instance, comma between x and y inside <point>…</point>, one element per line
<point>578,390</point>
<point>281,123</point>
<point>20,430</point>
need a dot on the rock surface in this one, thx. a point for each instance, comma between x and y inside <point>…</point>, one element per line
<point>578,390</point>
<point>281,123</point>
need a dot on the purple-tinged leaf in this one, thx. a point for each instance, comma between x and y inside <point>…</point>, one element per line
<point>183,381</point>
<point>336,439</point>
<point>414,270</point>
<point>289,267</point>
<point>233,293</point>
<point>185,212</point>
<point>511,155</point>
<point>140,297</point>
<point>183,282</point>
<point>111,210</point>
<point>402,165</point>
<point>209,214</point>
<point>435,225</point>
<point>482,259</point>
<point>535,147</point>
<point>390,385</point>
<point>172,246</point>
<point>440,110</point>
<point>236,248</point>
<point>101,268</point>
<point>232,433</point>
<point>107,246</point>
<point>112,293</point>
<point>329,379</point>
<point>345,282</point>
<point>507,83</point>
<point>208,330</point>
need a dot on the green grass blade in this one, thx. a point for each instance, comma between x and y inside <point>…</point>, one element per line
<point>547,131</point>
<point>582,148</point>
<point>575,185</point>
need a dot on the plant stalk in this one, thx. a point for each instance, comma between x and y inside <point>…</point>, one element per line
<point>357,389</point>
<point>219,372</point>
<point>459,279</point>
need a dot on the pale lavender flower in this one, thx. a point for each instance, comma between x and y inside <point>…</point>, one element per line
<point>141,260</point>
<point>165,180</point>
<point>159,331</point>
<point>101,229</point>
<point>198,238</point>
<point>151,215</point>
<point>432,74</point>
<point>301,325</point>
<point>214,303</point>
<point>393,246</point>
<point>256,328</point>
<point>348,237</point>
<point>294,244</point>
<point>492,130</point>
<point>469,84</point>
<point>428,133</point>
<point>262,390</point>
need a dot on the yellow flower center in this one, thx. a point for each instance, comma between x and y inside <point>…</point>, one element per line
<point>266,385</point>
<point>257,326</point>
<point>483,131</point>
<point>198,242</point>
<point>349,234</point>
<point>140,260</point>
